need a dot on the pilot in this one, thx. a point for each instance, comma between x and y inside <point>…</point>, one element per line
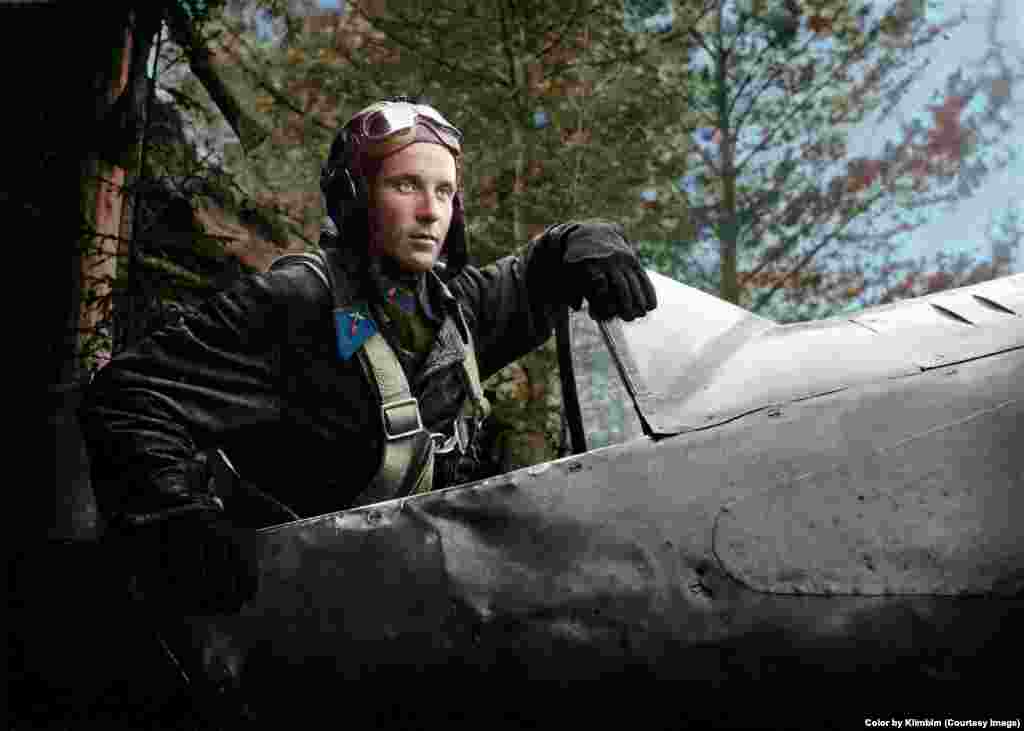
<point>338,378</point>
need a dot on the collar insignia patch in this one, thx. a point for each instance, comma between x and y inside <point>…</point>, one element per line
<point>353,326</point>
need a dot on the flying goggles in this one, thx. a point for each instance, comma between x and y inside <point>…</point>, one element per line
<point>389,126</point>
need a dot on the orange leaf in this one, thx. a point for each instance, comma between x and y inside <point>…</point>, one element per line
<point>576,137</point>
<point>820,24</point>
<point>948,113</point>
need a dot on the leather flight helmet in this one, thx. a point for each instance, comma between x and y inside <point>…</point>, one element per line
<point>372,134</point>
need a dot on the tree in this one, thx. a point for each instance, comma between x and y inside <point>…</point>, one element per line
<point>777,89</point>
<point>560,128</point>
<point>143,242</point>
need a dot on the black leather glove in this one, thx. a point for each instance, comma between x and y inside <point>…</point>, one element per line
<point>602,268</point>
<point>193,564</point>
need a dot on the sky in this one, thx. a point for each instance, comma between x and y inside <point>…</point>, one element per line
<point>962,229</point>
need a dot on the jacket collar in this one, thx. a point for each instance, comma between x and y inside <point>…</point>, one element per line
<point>439,304</point>
<point>448,349</point>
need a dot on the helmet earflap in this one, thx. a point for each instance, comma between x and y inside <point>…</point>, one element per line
<point>456,248</point>
<point>336,180</point>
<point>344,191</point>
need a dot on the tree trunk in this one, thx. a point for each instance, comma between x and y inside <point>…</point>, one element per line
<point>729,289</point>
<point>728,231</point>
<point>70,189</point>
<point>139,89</point>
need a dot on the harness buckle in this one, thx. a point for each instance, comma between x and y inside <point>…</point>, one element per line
<point>444,444</point>
<point>460,439</point>
<point>385,410</point>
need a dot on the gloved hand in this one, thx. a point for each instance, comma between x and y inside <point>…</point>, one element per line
<point>602,268</point>
<point>194,563</point>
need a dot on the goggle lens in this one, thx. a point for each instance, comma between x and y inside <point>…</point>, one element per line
<point>395,118</point>
<point>379,125</point>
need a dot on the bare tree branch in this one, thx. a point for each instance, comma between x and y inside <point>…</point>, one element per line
<point>250,133</point>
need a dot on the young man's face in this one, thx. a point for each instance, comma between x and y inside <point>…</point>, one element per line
<point>411,205</point>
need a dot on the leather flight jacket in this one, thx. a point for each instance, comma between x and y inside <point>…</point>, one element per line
<point>255,372</point>
<point>407,466</point>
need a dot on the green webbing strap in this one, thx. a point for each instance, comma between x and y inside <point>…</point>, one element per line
<point>477,403</point>
<point>407,445</point>
<point>406,442</point>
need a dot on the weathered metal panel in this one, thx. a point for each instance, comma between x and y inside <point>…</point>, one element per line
<point>946,330</point>
<point>934,512</point>
<point>584,566</point>
<point>998,295</point>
